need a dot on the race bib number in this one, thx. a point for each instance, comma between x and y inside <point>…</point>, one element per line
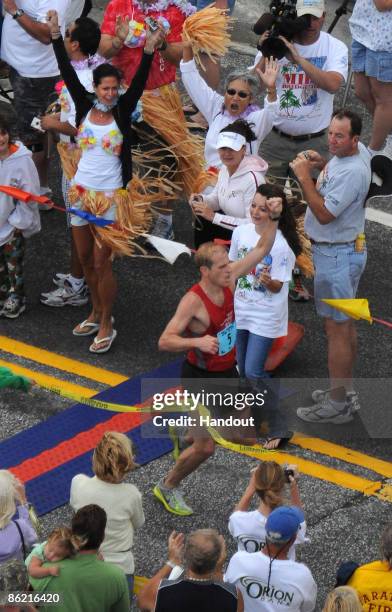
<point>226,339</point>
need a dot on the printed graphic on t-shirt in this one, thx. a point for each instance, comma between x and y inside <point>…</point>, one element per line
<point>251,282</point>
<point>257,589</point>
<point>298,89</point>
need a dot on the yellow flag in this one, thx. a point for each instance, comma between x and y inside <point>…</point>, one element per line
<point>357,309</point>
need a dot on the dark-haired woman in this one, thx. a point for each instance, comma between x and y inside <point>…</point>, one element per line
<point>102,177</point>
<point>228,205</point>
<point>261,297</point>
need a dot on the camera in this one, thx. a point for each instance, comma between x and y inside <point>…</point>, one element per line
<point>281,20</point>
<point>288,474</point>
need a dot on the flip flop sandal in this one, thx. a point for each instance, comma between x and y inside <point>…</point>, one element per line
<point>90,326</point>
<point>97,343</point>
<point>282,441</point>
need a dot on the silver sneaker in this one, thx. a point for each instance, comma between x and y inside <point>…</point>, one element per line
<point>172,500</point>
<point>352,398</point>
<point>65,296</point>
<point>325,412</point>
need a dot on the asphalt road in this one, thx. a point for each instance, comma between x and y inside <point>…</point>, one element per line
<point>343,523</point>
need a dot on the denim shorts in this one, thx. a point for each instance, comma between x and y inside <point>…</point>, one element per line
<point>377,64</point>
<point>338,269</point>
<point>201,4</point>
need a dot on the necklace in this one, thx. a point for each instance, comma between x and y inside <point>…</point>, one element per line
<point>210,579</point>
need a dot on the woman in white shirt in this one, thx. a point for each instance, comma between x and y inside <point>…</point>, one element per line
<point>227,206</point>
<point>268,481</point>
<point>261,299</point>
<point>237,103</point>
<point>112,461</point>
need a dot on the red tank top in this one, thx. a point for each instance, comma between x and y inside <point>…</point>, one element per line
<point>220,317</point>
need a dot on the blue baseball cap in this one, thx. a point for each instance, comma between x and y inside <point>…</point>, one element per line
<point>283,524</point>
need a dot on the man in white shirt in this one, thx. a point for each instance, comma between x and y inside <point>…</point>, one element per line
<point>334,222</point>
<point>26,47</point>
<point>268,580</point>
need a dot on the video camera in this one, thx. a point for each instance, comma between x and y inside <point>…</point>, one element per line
<point>281,20</point>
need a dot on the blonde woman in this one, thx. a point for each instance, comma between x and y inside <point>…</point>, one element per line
<point>343,599</point>
<point>17,534</point>
<point>269,481</point>
<point>112,461</point>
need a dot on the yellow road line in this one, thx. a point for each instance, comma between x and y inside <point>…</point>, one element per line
<point>384,468</point>
<point>322,472</point>
<point>61,363</point>
<point>44,379</point>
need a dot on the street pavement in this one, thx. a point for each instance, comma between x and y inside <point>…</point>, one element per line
<point>343,523</point>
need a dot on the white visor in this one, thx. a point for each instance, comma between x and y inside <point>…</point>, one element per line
<point>231,140</point>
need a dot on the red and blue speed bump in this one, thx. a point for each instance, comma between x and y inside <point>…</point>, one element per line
<point>47,456</point>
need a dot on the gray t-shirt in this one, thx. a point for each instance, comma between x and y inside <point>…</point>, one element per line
<point>344,184</point>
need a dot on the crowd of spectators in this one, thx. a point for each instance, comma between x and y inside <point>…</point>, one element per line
<point>299,135</point>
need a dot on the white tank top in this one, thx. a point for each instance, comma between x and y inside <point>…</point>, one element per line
<point>100,165</point>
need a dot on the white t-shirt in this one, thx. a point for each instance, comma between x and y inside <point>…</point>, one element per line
<point>210,104</point>
<point>68,111</point>
<point>291,587</point>
<point>248,528</point>
<point>100,165</point>
<point>28,56</point>
<point>123,506</point>
<point>370,27</point>
<point>256,309</point>
<point>304,108</point>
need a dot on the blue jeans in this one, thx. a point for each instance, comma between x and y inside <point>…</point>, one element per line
<point>252,351</point>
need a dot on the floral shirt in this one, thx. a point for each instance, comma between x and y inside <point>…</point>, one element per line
<point>128,58</point>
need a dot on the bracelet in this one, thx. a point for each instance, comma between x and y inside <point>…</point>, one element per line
<point>117,46</point>
<point>170,564</point>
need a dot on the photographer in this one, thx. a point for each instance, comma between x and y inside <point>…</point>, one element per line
<point>314,68</point>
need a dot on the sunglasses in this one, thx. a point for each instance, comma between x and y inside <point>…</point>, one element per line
<point>241,94</point>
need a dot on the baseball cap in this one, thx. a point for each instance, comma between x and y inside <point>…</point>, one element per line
<point>310,7</point>
<point>283,524</point>
<point>231,140</point>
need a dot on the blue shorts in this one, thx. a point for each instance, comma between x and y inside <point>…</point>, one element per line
<point>377,64</point>
<point>201,4</point>
<point>338,269</point>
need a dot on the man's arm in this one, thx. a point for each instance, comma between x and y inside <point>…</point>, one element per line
<point>148,594</point>
<point>52,122</point>
<point>172,340</point>
<point>302,170</point>
<point>172,53</point>
<point>329,80</point>
<point>39,31</point>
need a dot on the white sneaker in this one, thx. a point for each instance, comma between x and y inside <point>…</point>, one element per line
<point>325,412</point>
<point>65,296</point>
<point>59,279</point>
<point>352,398</point>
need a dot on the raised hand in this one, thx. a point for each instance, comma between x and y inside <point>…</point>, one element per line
<point>52,20</point>
<point>122,27</point>
<point>270,74</point>
<point>275,207</point>
<point>176,547</point>
<point>154,39</point>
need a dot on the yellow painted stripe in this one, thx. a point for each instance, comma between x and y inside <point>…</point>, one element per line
<point>61,363</point>
<point>45,380</point>
<point>322,472</point>
<point>384,468</point>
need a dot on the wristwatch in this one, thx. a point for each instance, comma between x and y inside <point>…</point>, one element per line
<point>18,13</point>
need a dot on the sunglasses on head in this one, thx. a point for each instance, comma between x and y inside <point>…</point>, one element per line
<point>241,94</point>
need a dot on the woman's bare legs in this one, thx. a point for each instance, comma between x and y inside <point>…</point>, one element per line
<point>107,290</point>
<point>382,116</point>
<point>84,244</point>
